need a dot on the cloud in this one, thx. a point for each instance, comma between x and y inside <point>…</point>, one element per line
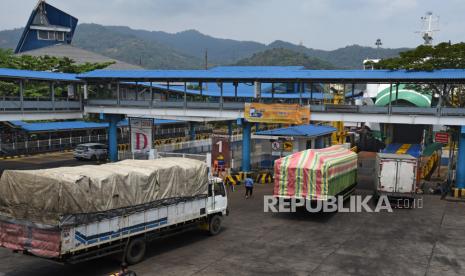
<point>324,24</point>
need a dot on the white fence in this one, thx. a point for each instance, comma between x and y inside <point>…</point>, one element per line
<point>199,149</point>
<point>49,144</point>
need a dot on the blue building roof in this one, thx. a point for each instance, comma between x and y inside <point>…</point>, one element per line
<point>75,125</point>
<point>6,73</point>
<point>255,68</point>
<point>277,75</point>
<point>308,131</point>
<point>230,75</point>
<point>57,126</point>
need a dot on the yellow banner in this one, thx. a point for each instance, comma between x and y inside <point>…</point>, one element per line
<point>277,113</point>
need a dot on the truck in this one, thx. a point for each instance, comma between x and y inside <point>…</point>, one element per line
<point>396,176</point>
<point>71,215</point>
<point>316,174</point>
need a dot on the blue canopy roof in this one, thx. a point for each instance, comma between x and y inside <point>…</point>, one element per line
<point>75,125</point>
<point>6,73</point>
<point>241,74</point>
<point>56,126</point>
<point>309,131</point>
<point>256,68</point>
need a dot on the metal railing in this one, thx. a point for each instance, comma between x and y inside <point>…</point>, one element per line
<point>37,146</point>
<point>343,108</point>
<point>393,110</point>
<point>260,158</point>
<point>38,104</point>
<point>181,130</point>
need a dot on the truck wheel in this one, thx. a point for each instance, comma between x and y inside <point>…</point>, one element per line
<point>215,225</point>
<point>93,158</point>
<point>135,252</point>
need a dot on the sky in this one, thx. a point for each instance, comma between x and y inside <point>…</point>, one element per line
<point>319,24</point>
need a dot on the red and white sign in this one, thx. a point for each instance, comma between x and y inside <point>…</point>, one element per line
<point>276,146</point>
<point>141,134</point>
<point>441,137</point>
<point>221,153</point>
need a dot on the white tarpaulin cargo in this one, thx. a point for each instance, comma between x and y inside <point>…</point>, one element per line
<point>46,195</point>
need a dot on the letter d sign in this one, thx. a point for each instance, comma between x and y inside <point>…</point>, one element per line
<point>141,137</point>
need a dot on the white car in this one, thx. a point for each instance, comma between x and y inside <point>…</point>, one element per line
<point>91,151</point>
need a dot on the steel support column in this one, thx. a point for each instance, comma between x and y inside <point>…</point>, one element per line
<point>52,91</point>
<point>390,100</point>
<point>246,140</point>
<point>192,133</point>
<point>113,136</point>
<point>230,128</point>
<point>151,95</point>
<point>21,94</point>
<point>272,92</point>
<point>118,94</point>
<point>185,95</point>
<point>221,96</point>
<point>460,178</point>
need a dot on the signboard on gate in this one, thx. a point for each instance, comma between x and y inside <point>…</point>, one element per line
<point>441,137</point>
<point>277,113</point>
<point>288,146</point>
<point>141,134</point>
<point>276,146</point>
<point>221,153</point>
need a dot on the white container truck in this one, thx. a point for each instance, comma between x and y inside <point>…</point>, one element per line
<point>71,215</point>
<point>396,175</point>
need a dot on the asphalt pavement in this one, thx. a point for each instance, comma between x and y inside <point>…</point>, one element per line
<point>423,241</point>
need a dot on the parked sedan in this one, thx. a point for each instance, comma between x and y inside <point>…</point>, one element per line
<point>91,151</point>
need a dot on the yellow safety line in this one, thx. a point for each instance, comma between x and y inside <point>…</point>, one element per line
<point>403,149</point>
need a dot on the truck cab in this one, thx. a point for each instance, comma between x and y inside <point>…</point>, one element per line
<point>217,197</point>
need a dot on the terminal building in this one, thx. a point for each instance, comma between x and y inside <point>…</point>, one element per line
<point>50,31</point>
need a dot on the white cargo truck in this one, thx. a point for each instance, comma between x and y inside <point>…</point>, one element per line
<point>71,215</point>
<point>396,175</point>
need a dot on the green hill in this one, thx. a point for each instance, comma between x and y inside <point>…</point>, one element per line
<point>161,50</point>
<point>285,57</point>
<point>131,49</point>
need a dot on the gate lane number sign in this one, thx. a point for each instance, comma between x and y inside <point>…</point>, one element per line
<point>441,137</point>
<point>141,134</point>
<point>221,153</point>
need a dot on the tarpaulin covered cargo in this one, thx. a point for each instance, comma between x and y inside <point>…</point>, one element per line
<point>45,196</point>
<point>315,174</point>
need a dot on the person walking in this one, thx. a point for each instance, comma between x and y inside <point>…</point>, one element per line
<point>248,187</point>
